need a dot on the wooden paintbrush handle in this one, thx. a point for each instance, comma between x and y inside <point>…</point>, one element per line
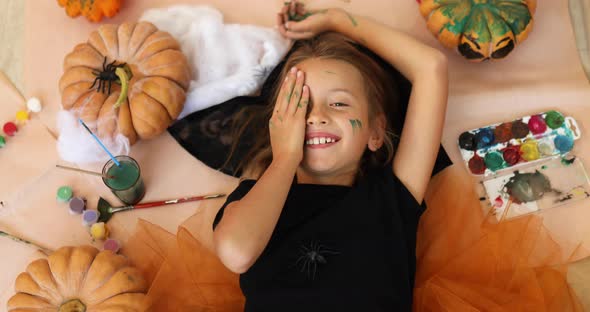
<point>175,201</point>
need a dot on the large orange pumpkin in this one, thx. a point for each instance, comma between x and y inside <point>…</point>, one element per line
<point>129,78</point>
<point>480,29</point>
<point>78,279</point>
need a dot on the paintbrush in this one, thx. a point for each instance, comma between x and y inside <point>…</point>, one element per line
<point>106,210</point>
<point>86,171</point>
<point>46,251</point>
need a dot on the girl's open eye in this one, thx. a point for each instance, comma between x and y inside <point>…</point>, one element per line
<point>338,104</point>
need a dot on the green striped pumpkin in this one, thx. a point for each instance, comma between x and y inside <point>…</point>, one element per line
<point>479,29</point>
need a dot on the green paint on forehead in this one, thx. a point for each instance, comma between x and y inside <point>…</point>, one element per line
<point>330,72</point>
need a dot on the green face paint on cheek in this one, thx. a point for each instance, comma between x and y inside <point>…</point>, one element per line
<point>355,124</point>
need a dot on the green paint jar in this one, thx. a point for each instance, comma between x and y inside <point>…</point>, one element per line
<point>126,183</point>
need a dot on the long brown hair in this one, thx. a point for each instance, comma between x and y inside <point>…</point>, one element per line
<point>380,89</point>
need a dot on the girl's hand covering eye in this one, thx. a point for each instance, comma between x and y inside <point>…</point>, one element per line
<point>287,124</point>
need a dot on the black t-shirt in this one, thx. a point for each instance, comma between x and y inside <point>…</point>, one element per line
<point>337,248</point>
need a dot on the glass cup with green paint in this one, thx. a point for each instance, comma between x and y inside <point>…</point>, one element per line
<point>125,180</point>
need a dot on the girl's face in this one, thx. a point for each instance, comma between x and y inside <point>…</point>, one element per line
<point>337,131</point>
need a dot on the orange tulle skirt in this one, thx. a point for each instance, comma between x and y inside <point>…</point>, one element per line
<point>465,260</point>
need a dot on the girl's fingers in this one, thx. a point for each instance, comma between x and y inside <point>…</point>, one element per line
<point>279,19</point>
<point>303,102</point>
<point>300,8</point>
<point>296,95</point>
<point>292,8</point>
<point>298,35</point>
<point>299,27</point>
<point>287,91</point>
<point>281,25</point>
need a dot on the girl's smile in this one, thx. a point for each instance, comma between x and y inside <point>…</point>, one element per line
<point>320,139</point>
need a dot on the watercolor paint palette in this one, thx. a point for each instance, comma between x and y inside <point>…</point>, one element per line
<point>537,187</point>
<point>510,145</point>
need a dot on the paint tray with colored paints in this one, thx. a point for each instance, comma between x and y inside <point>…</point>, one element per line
<point>510,145</point>
<point>536,187</point>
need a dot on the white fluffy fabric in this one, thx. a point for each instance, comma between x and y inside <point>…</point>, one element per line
<point>227,60</point>
<point>76,145</point>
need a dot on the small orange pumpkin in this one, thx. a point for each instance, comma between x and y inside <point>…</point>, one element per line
<point>144,76</point>
<point>78,279</point>
<point>93,10</point>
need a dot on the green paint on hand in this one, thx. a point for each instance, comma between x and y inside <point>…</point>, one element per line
<point>352,20</point>
<point>298,18</point>
<point>329,72</point>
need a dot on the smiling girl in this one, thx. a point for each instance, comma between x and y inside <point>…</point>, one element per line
<point>326,213</point>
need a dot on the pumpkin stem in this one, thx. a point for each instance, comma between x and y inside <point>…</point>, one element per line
<point>73,305</point>
<point>124,74</point>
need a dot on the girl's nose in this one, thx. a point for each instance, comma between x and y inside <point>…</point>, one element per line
<point>316,116</point>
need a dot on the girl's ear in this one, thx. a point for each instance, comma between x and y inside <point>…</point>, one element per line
<point>377,133</point>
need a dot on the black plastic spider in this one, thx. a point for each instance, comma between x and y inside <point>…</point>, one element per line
<point>312,257</point>
<point>106,75</point>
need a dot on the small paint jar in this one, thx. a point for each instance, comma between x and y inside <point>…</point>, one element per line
<point>10,128</point>
<point>77,205</point>
<point>64,194</point>
<point>112,245</point>
<point>34,105</point>
<point>89,217</point>
<point>22,116</point>
<point>99,231</point>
